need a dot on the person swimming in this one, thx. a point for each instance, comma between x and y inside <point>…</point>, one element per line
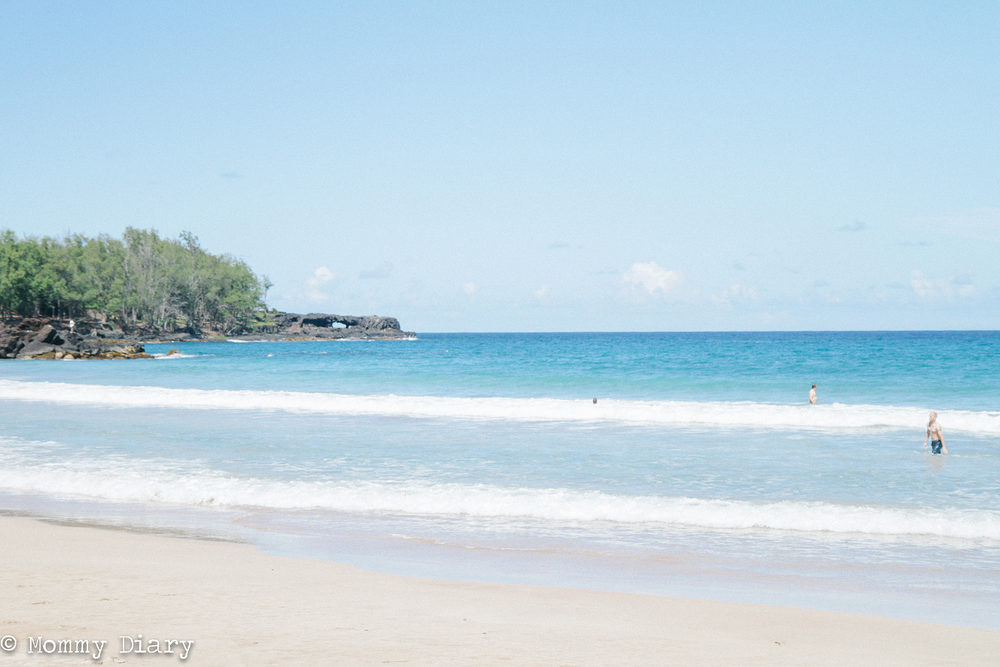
<point>935,435</point>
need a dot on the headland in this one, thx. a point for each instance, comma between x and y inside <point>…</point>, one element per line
<point>55,338</point>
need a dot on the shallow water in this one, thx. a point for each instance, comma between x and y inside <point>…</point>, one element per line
<point>700,471</point>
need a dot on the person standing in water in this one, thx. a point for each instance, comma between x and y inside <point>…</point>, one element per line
<point>812,395</point>
<point>935,435</point>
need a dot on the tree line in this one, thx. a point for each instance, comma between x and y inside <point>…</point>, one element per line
<point>139,281</point>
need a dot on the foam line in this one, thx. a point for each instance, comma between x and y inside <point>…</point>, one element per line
<point>154,482</point>
<point>834,417</point>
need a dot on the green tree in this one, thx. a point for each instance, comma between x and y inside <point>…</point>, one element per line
<point>142,280</point>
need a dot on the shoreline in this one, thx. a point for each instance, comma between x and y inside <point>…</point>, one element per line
<point>240,605</point>
<point>64,338</point>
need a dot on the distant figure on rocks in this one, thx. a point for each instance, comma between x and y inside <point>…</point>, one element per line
<point>935,435</point>
<point>812,395</point>
<point>72,325</point>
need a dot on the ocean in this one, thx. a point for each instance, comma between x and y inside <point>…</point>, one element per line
<point>700,471</point>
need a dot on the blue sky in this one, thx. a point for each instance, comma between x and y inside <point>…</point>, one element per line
<point>531,166</point>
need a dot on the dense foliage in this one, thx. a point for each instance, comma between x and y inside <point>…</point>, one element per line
<point>140,281</point>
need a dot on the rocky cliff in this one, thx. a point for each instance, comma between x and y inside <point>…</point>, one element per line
<point>39,338</point>
<point>327,326</point>
<point>32,338</point>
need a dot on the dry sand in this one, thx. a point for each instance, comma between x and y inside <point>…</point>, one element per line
<point>243,607</point>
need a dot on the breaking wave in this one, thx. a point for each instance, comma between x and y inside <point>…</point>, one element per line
<point>833,417</point>
<point>167,483</point>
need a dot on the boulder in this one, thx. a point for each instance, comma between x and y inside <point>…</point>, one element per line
<point>39,339</point>
<point>113,349</point>
<point>35,348</point>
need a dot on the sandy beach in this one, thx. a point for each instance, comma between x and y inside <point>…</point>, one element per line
<point>72,593</point>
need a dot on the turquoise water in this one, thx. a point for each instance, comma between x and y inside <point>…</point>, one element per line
<point>701,470</point>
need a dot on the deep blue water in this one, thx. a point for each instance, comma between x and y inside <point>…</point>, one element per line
<point>947,369</point>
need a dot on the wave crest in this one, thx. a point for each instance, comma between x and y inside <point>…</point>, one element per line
<point>166,483</point>
<point>834,417</point>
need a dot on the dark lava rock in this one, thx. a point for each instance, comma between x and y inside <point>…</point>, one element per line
<point>33,338</point>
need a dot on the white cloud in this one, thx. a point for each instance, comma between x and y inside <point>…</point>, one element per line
<point>921,285</point>
<point>736,292</point>
<point>542,293</point>
<point>653,278</point>
<point>470,288</point>
<point>317,282</point>
<point>942,288</point>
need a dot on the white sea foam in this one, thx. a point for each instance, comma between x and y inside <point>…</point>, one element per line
<point>834,417</point>
<point>163,482</point>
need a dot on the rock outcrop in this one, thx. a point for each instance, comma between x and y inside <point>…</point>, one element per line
<point>328,326</point>
<point>33,338</point>
<point>39,338</point>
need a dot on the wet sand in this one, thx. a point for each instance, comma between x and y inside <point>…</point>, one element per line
<point>81,586</point>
